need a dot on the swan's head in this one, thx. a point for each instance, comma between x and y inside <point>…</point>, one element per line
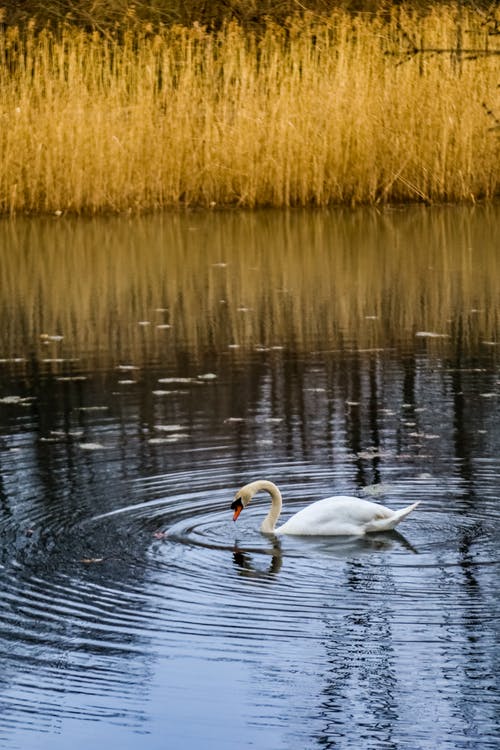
<point>241,500</point>
<point>243,497</point>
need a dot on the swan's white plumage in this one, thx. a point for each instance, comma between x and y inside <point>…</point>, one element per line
<point>340,515</point>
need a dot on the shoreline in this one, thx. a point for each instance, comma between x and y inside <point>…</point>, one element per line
<point>130,213</point>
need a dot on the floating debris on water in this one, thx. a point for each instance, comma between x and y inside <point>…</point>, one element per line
<point>431,335</point>
<point>92,446</point>
<point>125,368</point>
<point>168,439</point>
<point>175,380</point>
<point>62,434</point>
<point>424,435</point>
<point>465,369</point>
<point>17,400</point>
<point>169,427</point>
<point>48,337</point>
<point>181,381</point>
<point>207,376</point>
<point>70,378</point>
<point>377,489</point>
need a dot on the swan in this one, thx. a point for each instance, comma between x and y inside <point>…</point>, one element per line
<point>340,515</point>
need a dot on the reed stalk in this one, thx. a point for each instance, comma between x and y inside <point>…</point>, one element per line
<point>317,112</point>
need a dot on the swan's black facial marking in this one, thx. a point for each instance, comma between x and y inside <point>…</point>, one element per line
<point>237,506</point>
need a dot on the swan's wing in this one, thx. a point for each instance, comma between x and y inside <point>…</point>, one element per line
<point>339,515</point>
<point>355,508</point>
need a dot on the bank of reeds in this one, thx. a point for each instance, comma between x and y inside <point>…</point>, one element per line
<point>316,112</point>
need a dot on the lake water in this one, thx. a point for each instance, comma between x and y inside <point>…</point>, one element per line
<point>149,367</point>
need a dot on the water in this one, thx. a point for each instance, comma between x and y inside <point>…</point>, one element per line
<point>148,369</point>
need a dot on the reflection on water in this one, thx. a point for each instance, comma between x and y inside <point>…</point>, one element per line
<point>153,288</point>
<point>331,352</point>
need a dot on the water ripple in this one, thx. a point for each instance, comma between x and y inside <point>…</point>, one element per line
<point>162,572</point>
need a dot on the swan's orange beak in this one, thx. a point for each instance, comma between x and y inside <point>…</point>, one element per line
<point>237,506</point>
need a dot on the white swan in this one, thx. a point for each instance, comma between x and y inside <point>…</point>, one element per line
<point>334,516</point>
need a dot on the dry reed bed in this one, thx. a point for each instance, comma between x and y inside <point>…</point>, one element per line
<point>214,279</point>
<point>314,114</point>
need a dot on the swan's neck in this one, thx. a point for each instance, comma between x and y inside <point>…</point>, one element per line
<point>269,522</point>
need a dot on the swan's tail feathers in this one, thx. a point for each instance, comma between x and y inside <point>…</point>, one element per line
<point>400,514</point>
<point>386,522</point>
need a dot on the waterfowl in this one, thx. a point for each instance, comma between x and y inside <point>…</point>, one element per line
<point>340,515</point>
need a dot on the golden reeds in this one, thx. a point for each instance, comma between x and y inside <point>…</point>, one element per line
<point>314,113</point>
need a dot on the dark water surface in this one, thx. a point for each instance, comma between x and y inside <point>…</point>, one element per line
<point>150,367</point>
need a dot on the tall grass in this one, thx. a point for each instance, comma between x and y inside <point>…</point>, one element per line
<point>313,113</point>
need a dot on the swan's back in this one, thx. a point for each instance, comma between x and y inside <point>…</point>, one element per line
<point>343,515</point>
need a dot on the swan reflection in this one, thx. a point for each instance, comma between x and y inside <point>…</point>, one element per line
<point>337,547</point>
<point>244,562</point>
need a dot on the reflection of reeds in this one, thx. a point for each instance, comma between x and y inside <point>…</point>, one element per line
<point>314,113</point>
<point>307,280</point>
